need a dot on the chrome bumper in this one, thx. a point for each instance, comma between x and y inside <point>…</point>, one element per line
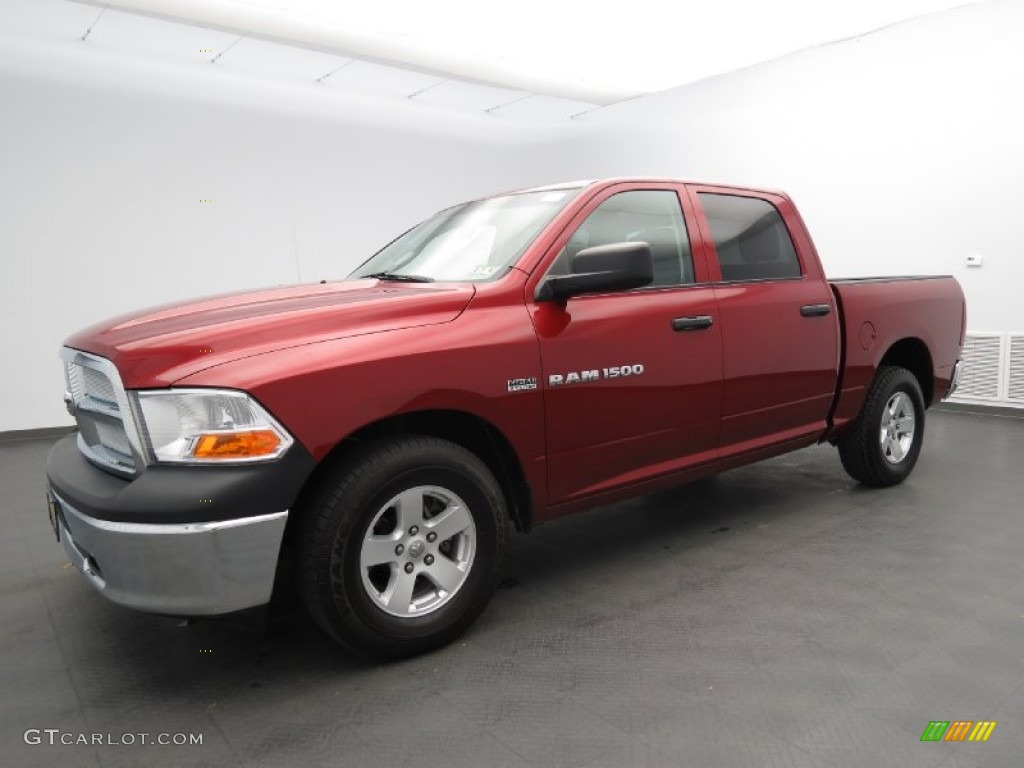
<point>958,372</point>
<point>187,569</point>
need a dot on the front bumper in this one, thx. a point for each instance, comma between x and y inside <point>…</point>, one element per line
<point>180,569</point>
<point>176,540</point>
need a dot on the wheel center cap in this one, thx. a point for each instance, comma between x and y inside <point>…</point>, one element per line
<point>416,549</point>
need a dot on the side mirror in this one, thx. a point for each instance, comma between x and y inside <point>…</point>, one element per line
<point>601,269</point>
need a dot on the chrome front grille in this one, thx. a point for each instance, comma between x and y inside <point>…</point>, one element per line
<point>98,387</point>
<point>106,429</point>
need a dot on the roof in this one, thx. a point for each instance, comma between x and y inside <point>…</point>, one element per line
<point>642,179</point>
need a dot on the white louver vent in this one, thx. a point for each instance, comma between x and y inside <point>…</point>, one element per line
<point>982,364</point>
<point>1015,369</point>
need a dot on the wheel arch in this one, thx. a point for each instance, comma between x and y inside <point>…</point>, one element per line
<point>472,432</point>
<point>913,354</point>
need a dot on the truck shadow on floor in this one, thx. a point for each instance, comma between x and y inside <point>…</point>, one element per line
<point>207,662</point>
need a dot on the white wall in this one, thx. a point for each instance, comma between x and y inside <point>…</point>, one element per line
<point>105,159</point>
<point>903,149</point>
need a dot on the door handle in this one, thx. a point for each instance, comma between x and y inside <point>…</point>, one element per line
<point>695,323</point>
<point>815,310</point>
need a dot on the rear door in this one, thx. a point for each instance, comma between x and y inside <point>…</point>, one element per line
<point>632,380</point>
<point>778,318</point>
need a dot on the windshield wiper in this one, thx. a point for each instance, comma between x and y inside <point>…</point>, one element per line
<point>399,278</point>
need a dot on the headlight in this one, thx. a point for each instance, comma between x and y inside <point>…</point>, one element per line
<point>202,426</point>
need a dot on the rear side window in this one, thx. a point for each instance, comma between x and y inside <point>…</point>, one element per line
<point>750,237</point>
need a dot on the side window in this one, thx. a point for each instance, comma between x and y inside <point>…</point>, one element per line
<point>750,237</point>
<point>650,216</point>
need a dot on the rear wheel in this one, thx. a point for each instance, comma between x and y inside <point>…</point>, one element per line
<point>884,443</point>
<point>399,546</point>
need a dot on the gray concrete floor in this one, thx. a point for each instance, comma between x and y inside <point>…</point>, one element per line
<point>777,615</point>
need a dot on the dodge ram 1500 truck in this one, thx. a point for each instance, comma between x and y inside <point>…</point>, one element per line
<point>505,362</point>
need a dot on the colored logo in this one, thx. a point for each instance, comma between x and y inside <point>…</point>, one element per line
<point>958,730</point>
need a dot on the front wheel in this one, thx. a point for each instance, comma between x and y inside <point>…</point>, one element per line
<point>884,443</point>
<point>399,546</point>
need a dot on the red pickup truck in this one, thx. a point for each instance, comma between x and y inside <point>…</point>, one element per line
<point>505,362</point>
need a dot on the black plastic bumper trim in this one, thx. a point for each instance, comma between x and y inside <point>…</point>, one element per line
<point>178,494</point>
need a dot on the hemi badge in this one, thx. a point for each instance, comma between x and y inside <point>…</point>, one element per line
<point>516,385</point>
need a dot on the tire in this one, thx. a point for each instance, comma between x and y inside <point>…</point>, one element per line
<point>399,546</point>
<point>878,451</point>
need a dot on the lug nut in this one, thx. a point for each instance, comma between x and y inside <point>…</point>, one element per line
<point>414,530</point>
<point>429,559</point>
<point>431,536</point>
<point>408,567</point>
<point>399,549</point>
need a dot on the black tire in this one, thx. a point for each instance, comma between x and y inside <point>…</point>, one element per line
<point>861,450</point>
<point>336,516</point>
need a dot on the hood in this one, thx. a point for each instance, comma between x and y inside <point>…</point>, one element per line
<point>159,346</point>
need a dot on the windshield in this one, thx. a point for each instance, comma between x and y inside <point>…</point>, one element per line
<point>473,242</point>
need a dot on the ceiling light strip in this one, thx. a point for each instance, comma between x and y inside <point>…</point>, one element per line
<point>96,21</point>
<point>280,26</point>
<point>510,103</point>
<point>216,58</point>
<point>334,71</point>
<point>430,87</point>
<point>604,106</point>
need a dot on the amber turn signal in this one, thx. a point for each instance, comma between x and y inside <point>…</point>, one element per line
<point>236,445</point>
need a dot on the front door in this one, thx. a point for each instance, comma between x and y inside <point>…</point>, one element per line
<point>632,380</point>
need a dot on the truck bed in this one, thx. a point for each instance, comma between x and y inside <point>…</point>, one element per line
<point>877,312</point>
